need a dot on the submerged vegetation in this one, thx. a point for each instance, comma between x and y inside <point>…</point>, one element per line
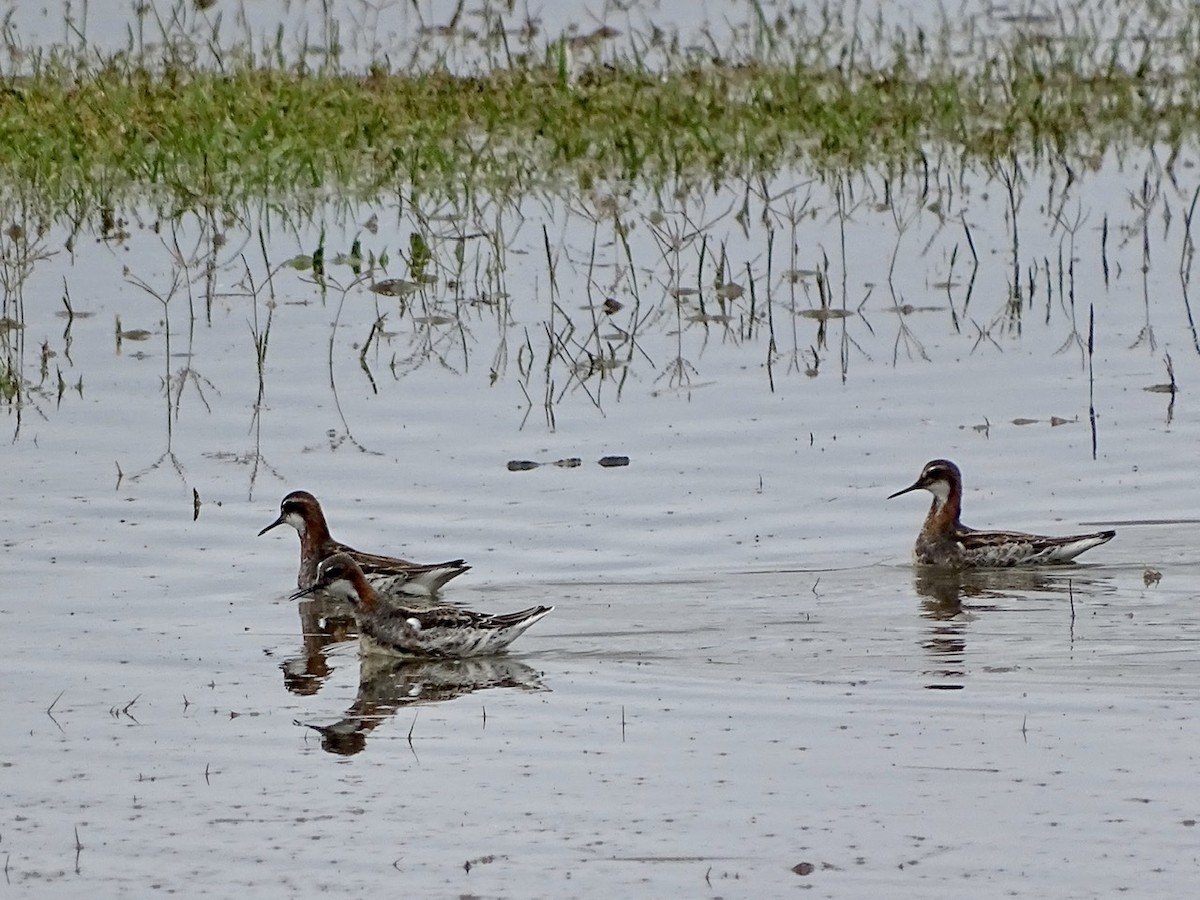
<point>505,108</point>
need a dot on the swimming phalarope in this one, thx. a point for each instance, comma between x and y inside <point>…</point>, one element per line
<point>387,574</point>
<point>395,630</point>
<point>945,541</point>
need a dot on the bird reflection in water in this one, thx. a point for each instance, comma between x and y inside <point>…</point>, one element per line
<point>941,592</point>
<point>951,598</point>
<point>324,621</point>
<point>387,685</point>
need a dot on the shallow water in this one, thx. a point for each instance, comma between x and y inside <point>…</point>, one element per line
<point>743,673</point>
<point>676,735</point>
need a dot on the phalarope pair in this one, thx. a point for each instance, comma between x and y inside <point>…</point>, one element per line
<point>392,629</point>
<point>945,541</point>
<point>386,574</point>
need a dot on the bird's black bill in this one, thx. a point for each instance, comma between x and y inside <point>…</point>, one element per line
<point>303,592</point>
<point>278,521</point>
<point>916,485</point>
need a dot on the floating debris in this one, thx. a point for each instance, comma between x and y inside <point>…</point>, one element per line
<point>794,275</point>
<point>571,462</point>
<point>612,306</point>
<point>825,314</point>
<point>599,364</point>
<point>301,263</point>
<point>434,320</point>
<point>395,287</point>
<point>131,334</point>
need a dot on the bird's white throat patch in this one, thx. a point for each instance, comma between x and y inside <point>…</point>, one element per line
<point>940,490</point>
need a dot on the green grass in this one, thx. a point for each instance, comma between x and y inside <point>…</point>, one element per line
<point>83,137</point>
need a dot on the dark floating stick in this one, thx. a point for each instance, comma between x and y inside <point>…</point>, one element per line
<point>571,462</point>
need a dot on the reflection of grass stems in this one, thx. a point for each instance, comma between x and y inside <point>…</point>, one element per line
<point>844,356</point>
<point>1091,344</point>
<point>636,320</point>
<point>376,329</point>
<point>164,300</point>
<point>560,349</point>
<point>551,267</point>
<point>18,257</point>
<point>950,290</point>
<point>1187,253</point>
<point>903,332</point>
<point>1104,249</point>
<point>324,283</point>
<point>1066,280</point>
<point>1172,388</point>
<point>67,337</point>
<point>772,344</point>
<point>974,271</point>
<point>1146,201</point>
<point>1010,180</point>
<point>260,333</point>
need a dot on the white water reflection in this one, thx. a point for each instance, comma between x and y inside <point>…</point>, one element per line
<point>384,688</point>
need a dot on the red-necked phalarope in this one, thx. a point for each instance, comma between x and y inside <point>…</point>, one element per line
<point>395,630</point>
<point>387,574</point>
<point>946,541</point>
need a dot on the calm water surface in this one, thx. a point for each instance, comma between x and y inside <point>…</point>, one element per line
<point>743,673</point>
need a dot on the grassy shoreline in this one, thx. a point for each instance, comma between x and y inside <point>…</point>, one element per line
<point>82,136</point>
